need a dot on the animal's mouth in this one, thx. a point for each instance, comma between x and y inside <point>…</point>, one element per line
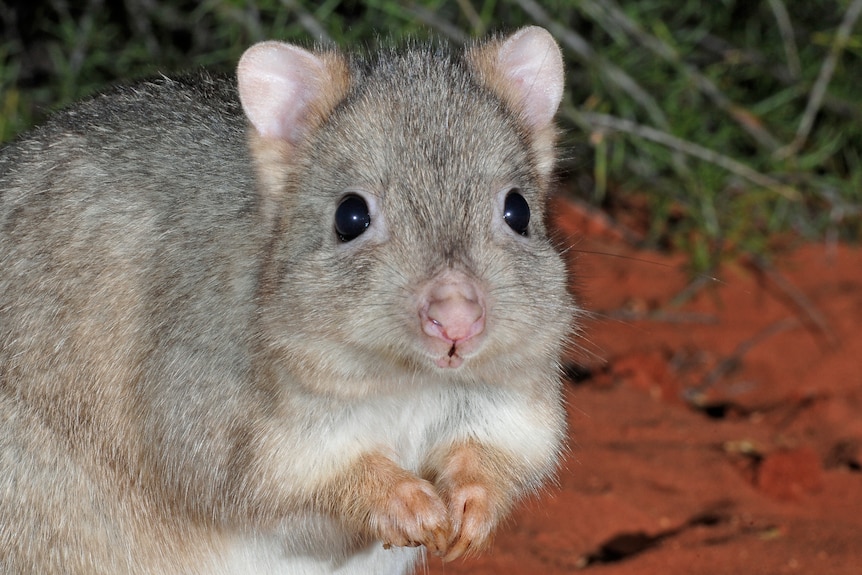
<point>451,360</point>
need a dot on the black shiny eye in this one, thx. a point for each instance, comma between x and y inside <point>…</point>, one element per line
<point>351,217</point>
<point>516,212</point>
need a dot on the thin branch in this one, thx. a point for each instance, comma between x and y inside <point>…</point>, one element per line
<point>309,22</point>
<point>661,316</point>
<point>722,48</point>
<point>811,316</point>
<point>604,121</point>
<point>818,91</point>
<point>693,288</point>
<point>610,11</point>
<point>585,53</point>
<point>472,16</point>
<point>441,25</point>
<point>248,18</point>
<point>141,20</point>
<point>732,362</point>
<point>785,28</point>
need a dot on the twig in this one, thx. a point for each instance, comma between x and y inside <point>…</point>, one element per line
<point>733,361</point>
<point>812,318</point>
<point>649,133</point>
<point>613,74</point>
<point>470,13</point>
<point>661,316</point>
<point>141,20</point>
<point>432,20</point>
<point>309,22</point>
<point>248,17</point>
<point>818,91</point>
<point>83,32</point>
<point>667,52</point>
<point>721,47</point>
<point>584,51</point>
<point>689,291</point>
<point>785,28</point>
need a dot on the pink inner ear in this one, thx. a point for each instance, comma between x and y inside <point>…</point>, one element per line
<point>532,61</point>
<point>277,84</point>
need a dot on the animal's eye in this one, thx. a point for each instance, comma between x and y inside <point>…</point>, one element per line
<point>351,217</point>
<point>516,212</point>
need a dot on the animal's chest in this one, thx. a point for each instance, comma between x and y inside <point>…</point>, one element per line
<point>404,427</point>
<point>309,544</point>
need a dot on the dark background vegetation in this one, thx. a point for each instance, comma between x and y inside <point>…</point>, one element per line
<point>708,126</point>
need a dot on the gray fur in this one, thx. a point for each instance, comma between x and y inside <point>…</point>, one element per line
<point>178,337</point>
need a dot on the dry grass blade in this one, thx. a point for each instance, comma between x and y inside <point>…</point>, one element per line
<point>442,26</point>
<point>732,362</point>
<point>811,316</point>
<point>785,27</point>
<point>582,49</point>
<point>605,122</point>
<point>309,22</point>
<point>472,16</point>
<point>818,91</point>
<point>610,11</point>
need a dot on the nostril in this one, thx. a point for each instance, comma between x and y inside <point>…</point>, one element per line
<point>452,314</point>
<point>453,318</point>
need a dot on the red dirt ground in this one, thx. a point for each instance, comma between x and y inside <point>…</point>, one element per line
<point>716,426</point>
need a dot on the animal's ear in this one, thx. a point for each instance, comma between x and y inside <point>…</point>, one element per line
<point>286,90</point>
<point>286,93</point>
<point>526,70</point>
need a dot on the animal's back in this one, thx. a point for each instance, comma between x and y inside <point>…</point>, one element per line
<point>127,244</point>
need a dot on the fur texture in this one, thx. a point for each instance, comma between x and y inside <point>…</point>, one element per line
<point>197,375</point>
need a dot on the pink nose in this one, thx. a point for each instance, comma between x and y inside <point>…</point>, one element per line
<point>454,311</point>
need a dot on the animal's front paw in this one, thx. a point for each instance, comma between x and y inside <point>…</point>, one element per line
<point>413,515</point>
<point>474,517</point>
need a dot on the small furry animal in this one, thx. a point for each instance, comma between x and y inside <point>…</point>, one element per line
<point>303,321</point>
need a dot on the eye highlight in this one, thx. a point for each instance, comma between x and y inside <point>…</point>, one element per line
<point>516,212</point>
<point>352,217</point>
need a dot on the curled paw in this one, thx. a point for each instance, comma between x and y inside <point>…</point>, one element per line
<point>414,515</point>
<point>474,517</point>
